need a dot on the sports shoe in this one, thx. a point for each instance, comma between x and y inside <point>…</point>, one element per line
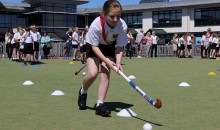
<point>102,110</point>
<point>82,100</point>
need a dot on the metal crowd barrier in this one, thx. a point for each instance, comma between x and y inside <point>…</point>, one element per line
<point>58,50</point>
<point>3,50</point>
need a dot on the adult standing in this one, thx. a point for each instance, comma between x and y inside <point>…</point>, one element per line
<point>138,41</point>
<point>8,39</point>
<point>175,41</point>
<point>46,43</point>
<point>68,44</point>
<point>129,45</point>
<point>155,39</point>
<point>148,40</point>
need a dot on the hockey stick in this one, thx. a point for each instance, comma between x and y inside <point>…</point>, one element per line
<point>157,103</point>
<point>77,72</point>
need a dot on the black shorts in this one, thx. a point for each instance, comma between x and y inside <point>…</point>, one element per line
<point>203,47</point>
<point>21,51</point>
<point>28,48</point>
<point>217,48</point>
<point>13,46</point>
<point>83,48</point>
<point>107,50</point>
<point>74,46</point>
<point>189,47</point>
<point>182,47</point>
<point>213,46</point>
<point>17,45</point>
<point>36,46</point>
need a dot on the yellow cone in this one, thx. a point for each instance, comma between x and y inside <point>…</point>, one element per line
<point>71,63</point>
<point>212,73</point>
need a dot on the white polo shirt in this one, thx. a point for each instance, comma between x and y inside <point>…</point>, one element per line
<point>203,40</point>
<point>28,38</point>
<point>118,33</point>
<point>189,40</point>
<point>75,36</point>
<point>17,36</point>
<point>181,40</point>
<point>36,36</point>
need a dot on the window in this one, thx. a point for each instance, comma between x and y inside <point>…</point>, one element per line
<point>12,20</point>
<point>133,20</point>
<point>168,18</point>
<point>207,16</point>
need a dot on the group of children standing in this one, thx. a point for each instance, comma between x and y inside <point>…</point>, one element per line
<point>76,43</point>
<point>23,45</point>
<point>180,43</point>
<point>210,44</point>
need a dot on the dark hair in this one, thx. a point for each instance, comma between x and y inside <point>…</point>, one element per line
<point>27,29</point>
<point>9,29</point>
<point>45,33</point>
<point>128,30</point>
<point>110,4</point>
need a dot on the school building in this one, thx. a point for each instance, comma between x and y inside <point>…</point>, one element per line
<point>162,16</point>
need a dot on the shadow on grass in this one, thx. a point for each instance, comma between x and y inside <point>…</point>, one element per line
<point>157,124</point>
<point>113,106</point>
<point>40,63</point>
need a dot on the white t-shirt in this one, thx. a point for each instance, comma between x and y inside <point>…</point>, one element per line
<point>189,40</point>
<point>118,33</point>
<point>75,36</point>
<point>17,36</point>
<point>36,36</point>
<point>139,37</point>
<point>154,37</point>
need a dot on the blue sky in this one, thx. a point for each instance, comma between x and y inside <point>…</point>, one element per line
<point>91,4</point>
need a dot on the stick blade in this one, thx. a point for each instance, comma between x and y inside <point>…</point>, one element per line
<point>158,103</point>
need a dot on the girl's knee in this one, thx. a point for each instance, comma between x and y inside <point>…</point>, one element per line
<point>93,75</point>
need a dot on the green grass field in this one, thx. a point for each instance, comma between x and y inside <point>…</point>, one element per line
<point>184,108</point>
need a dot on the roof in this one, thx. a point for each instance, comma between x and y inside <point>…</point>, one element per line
<point>159,5</point>
<point>73,2</point>
<point>157,31</point>
<point>14,6</point>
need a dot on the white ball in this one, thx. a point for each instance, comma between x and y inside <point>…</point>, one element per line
<point>147,126</point>
<point>84,73</point>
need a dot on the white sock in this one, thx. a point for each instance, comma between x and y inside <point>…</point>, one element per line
<point>99,102</point>
<point>83,91</point>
